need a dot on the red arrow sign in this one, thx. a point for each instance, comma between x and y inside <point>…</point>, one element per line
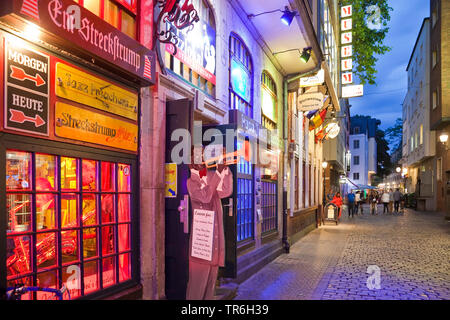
<point>19,117</point>
<point>19,74</point>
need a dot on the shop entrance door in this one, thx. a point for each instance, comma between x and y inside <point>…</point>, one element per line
<point>179,115</point>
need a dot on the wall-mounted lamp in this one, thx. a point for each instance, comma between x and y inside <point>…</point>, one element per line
<point>306,54</point>
<point>286,18</point>
<point>443,138</point>
<point>324,164</point>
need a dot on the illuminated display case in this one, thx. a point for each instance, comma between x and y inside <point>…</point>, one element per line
<point>69,221</point>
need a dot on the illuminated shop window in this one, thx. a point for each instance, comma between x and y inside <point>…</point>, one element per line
<point>67,216</point>
<point>269,101</point>
<point>195,60</point>
<point>241,76</point>
<point>119,13</point>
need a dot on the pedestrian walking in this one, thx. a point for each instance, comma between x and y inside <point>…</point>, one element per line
<point>357,200</point>
<point>351,204</point>
<point>397,198</point>
<point>391,200</point>
<point>385,201</point>
<point>373,199</point>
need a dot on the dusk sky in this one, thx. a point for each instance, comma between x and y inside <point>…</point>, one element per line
<point>383,100</point>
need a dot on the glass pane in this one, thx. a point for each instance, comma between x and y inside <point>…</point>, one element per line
<point>107,240</point>
<point>18,207</point>
<point>18,170</point>
<point>71,277</point>
<point>45,172</point>
<point>124,237</point>
<point>45,250</point>
<point>93,6</point>
<point>108,208</point>
<point>69,174</point>
<point>91,277</point>
<point>128,25</point>
<point>111,13</point>
<point>124,267</point>
<point>124,207</point>
<point>108,176</point>
<point>46,280</point>
<point>69,246</point>
<point>124,181</point>
<point>89,174</point>
<point>89,210</point>
<point>28,281</point>
<point>18,255</point>
<point>109,271</point>
<point>45,211</point>
<point>90,242</point>
<point>69,204</point>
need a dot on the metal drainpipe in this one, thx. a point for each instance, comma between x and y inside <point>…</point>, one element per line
<point>286,81</point>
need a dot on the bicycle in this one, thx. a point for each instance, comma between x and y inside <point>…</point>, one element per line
<point>16,292</point>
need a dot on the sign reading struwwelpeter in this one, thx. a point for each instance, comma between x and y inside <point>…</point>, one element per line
<point>79,124</point>
<point>77,26</point>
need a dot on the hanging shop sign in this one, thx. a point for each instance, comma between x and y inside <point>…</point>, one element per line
<point>83,125</point>
<point>196,48</point>
<point>170,175</point>
<point>352,91</point>
<point>246,125</point>
<point>73,26</point>
<point>315,80</point>
<point>310,101</point>
<point>76,85</point>
<point>240,80</point>
<point>174,15</point>
<point>26,88</point>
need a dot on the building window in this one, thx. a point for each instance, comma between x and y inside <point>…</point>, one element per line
<point>296,184</point>
<point>66,214</point>
<point>412,144</point>
<point>356,176</point>
<point>421,134</point>
<point>241,76</point>
<point>356,130</point>
<point>195,60</point>
<point>268,101</point>
<point>434,58</point>
<point>356,160</point>
<point>269,206</point>
<point>119,13</point>
<point>355,144</point>
<point>435,98</point>
<point>434,15</point>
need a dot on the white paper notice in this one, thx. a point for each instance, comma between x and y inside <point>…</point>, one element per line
<point>202,234</point>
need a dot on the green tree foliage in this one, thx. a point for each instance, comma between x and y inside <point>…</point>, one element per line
<point>384,166</point>
<point>394,134</point>
<point>368,42</point>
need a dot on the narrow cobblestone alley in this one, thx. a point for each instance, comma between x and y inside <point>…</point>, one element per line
<point>412,252</point>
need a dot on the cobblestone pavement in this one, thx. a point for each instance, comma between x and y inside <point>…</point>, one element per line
<point>409,252</point>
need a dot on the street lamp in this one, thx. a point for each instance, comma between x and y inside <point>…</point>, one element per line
<point>398,169</point>
<point>443,138</point>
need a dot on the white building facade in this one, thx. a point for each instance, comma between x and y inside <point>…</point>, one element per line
<point>418,140</point>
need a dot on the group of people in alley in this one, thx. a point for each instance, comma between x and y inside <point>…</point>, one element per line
<point>392,201</point>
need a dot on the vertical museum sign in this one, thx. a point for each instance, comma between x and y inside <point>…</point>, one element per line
<point>26,88</point>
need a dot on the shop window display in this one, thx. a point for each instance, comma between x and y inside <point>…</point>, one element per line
<point>67,216</point>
